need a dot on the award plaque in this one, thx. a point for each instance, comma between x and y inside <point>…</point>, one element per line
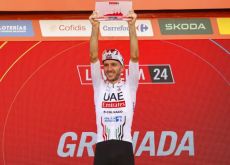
<point>115,10</point>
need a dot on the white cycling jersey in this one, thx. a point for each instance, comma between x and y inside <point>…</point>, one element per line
<point>114,104</point>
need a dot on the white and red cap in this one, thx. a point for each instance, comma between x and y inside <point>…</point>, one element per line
<point>112,54</point>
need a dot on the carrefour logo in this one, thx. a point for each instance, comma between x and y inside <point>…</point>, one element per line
<point>115,28</point>
<point>142,27</point>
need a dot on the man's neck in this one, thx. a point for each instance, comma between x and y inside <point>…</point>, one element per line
<point>114,82</point>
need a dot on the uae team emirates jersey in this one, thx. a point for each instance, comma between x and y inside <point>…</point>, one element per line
<point>114,104</point>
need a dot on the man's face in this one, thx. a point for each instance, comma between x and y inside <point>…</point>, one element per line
<point>113,70</point>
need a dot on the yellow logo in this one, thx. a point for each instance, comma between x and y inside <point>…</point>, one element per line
<point>224,25</point>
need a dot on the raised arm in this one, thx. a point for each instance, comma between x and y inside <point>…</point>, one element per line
<point>134,50</point>
<point>94,37</point>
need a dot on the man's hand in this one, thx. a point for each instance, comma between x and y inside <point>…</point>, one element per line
<point>134,50</point>
<point>133,17</point>
<point>92,19</point>
<point>94,37</point>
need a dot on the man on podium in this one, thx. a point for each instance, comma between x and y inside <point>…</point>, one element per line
<point>114,99</point>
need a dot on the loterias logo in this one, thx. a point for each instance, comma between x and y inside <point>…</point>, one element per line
<point>15,28</point>
<point>185,26</point>
<point>148,74</point>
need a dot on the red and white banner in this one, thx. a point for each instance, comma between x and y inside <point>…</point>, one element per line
<point>113,10</point>
<point>181,115</point>
<point>89,5</point>
<point>147,29</point>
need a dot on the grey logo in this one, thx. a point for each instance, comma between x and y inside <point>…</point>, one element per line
<point>161,74</point>
<point>185,26</point>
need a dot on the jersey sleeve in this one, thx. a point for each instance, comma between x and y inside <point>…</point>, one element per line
<point>133,76</point>
<point>96,75</point>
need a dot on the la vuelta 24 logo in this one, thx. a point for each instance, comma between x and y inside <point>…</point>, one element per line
<point>148,74</point>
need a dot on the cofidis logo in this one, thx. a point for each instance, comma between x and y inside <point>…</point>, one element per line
<point>16,28</point>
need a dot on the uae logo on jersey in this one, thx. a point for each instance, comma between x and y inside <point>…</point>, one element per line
<point>113,100</point>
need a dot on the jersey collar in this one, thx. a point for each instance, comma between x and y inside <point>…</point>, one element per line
<point>117,84</point>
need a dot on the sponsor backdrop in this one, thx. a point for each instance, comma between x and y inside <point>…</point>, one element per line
<point>147,29</point>
<point>46,99</point>
<point>86,5</point>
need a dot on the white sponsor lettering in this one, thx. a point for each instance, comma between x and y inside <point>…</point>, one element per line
<point>88,76</point>
<point>69,147</point>
<point>149,137</point>
<point>141,74</point>
<point>161,151</point>
<point>147,144</point>
<point>185,26</point>
<point>16,28</point>
<point>144,74</point>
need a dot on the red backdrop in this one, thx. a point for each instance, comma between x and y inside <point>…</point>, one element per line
<point>43,96</point>
<point>82,5</point>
